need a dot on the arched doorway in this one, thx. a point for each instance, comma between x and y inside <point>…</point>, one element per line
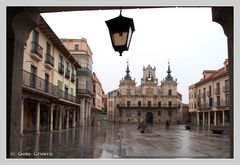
<point>149,118</point>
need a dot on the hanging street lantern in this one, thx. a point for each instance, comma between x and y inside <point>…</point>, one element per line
<point>121,30</point>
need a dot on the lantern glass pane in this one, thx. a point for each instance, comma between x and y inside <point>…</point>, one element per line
<point>129,36</point>
<point>120,39</point>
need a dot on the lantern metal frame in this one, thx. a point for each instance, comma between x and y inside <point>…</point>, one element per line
<point>117,27</point>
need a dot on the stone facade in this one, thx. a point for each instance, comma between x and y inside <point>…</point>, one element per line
<point>147,102</point>
<point>185,114</point>
<point>82,53</point>
<point>209,98</point>
<point>49,83</point>
<point>97,100</point>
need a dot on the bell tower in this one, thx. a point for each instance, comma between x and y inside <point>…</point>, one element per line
<point>149,76</point>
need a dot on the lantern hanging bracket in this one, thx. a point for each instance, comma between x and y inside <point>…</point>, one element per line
<point>120,10</point>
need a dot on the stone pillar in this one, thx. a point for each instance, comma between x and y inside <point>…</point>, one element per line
<point>38,118</point>
<point>215,118</point>
<point>60,118</point>
<point>197,118</point>
<point>20,21</point>
<point>87,112</point>
<point>203,119</point>
<point>67,122</point>
<point>223,118</point>
<point>22,117</point>
<point>74,118</point>
<point>56,118</point>
<point>224,16</point>
<point>82,112</point>
<point>90,109</point>
<point>209,119</point>
<point>51,117</point>
<point>78,110</point>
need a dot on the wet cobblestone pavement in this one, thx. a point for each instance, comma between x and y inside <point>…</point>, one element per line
<point>177,142</point>
<point>111,141</point>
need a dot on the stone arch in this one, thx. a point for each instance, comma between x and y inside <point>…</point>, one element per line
<point>149,118</point>
<point>20,22</point>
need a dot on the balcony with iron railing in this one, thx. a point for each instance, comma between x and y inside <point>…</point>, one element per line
<point>217,91</point>
<point>84,88</point>
<point>34,82</point>
<point>222,104</point>
<point>67,73</point>
<point>84,71</point>
<point>203,94</point>
<point>149,106</point>
<point>84,92</point>
<point>36,51</point>
<point>226,88</point>
<point>49,61</point>
<point>60,68</point>
<point>203,107</point>
<point>37,83</point>
<point>64,95</point>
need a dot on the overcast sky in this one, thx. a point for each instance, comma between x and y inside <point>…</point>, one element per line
<point>185,36</point>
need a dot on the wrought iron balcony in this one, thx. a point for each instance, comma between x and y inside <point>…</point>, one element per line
<point>37,83</point>
<point>148,106</point>
<point>84,92</point>
<point>84,88</point>
<point>203,107</point>
<point>34,82</point>
<point>222,104</point>
<point>49,61</point>
<point>60,68</point>
<point>204,94</point>
<point>67,73</point>
<point>84,71</point>
<point>36,51</point>
<point>65,96</point>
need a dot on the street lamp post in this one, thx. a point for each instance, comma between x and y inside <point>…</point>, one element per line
<point>120,30</point>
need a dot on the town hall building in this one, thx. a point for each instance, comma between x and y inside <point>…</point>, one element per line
<point>148,102</point>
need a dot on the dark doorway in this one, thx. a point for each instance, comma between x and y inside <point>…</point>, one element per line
<point>149,118</point>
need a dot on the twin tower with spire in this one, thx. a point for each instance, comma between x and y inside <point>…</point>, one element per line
<point>149,101</point>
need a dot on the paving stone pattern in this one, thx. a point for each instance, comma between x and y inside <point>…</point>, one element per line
<point>124,141</point>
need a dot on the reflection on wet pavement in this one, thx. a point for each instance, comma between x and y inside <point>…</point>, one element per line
<point>83,142</point>
<point>177,142</point>
<point>124,141</point>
